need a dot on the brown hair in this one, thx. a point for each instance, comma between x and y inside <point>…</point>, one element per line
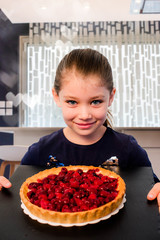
<point>86,61</point>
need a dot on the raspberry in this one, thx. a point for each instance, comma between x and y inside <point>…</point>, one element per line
<point>74,183</point>
<point>59,195</point>
<point>80,171</point>
<point>64,170</point>
<point>33,185</point>
<point>76,175</point>
<point>30,194</point>
<point>83,207</point>
<point>74,209</point>
<point>44,203</point>
<point>51,195</point>
<point>92,196</point>
<point>43,196</point>
<point>66,208</point>
<point>98,182</point>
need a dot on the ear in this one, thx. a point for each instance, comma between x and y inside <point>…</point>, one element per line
<point>56,97</point>
<point>111,98</point>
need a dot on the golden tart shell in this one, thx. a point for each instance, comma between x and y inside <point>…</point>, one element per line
<point>72,217</point>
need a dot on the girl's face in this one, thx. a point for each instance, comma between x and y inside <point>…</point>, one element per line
<point>84,102</point>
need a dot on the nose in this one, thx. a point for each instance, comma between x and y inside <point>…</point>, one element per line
<point>85,113</point>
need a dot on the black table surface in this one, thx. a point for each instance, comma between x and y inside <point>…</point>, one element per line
<point>138,219</point>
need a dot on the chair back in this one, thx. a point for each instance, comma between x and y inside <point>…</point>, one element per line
<point>6,138</point>
<point>11,155</point>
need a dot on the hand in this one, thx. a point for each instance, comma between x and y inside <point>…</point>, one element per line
<point>4,182</point>
<point>155,193</point>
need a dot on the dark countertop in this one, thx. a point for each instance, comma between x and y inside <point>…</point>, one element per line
<point>138,220</point>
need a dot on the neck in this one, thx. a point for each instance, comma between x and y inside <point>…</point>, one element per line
<point>83,139</point>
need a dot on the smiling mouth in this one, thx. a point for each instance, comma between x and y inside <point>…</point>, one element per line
<point>85,125</point>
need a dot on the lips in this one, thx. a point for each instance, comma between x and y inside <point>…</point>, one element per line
<point>84,125</point>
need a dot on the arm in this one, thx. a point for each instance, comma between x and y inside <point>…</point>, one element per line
<point>155,193</point>
<point>4,182</point>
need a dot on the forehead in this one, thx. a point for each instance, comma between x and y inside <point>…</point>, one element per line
<point>75,77</point>
<point>76,85</point>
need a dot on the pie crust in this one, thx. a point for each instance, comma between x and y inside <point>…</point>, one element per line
<point>72,217</point>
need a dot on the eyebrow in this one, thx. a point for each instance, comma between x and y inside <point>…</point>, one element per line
<point>98,96</point>
<point>68,96</point>
<point>95,97</point>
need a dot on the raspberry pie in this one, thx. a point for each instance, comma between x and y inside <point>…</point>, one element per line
<point>74,194</point>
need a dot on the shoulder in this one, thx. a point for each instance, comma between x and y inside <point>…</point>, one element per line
<point>37,151</point>
<point>120,137</point>
<point>128,142</point>
<point>131,153</point>
<point>54,136</point>
<point>48,142</point>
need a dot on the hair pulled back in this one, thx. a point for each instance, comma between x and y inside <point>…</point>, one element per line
<point>86,61</point>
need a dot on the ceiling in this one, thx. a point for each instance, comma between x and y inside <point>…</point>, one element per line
<point>27,11</point>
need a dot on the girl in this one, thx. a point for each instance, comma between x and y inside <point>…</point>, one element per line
<point>84,90</point>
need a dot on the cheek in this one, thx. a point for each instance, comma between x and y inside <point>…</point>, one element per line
<point>100,113</point>
<point>104,110</point>
<point>68,113</point>
<point>103,116</point>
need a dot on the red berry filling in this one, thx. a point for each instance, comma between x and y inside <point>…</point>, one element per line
<point>73,191</point>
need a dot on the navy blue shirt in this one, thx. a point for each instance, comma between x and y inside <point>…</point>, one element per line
<point>113,143</point>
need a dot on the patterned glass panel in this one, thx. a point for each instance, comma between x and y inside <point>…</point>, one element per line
<point>133,51</point>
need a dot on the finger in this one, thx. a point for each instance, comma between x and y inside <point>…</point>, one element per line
<point>158,200</point>
<point>4,182</point>
<point>153,193</point>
